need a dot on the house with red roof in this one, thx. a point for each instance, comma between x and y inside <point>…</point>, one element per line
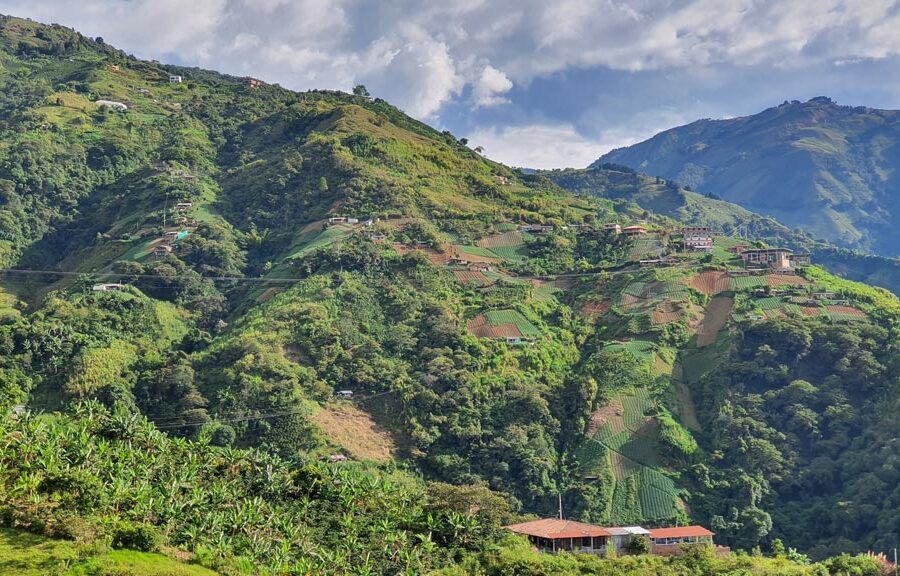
<point>555,535</point>
<point>669,541</point>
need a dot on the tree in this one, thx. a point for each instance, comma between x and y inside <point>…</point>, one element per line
<point>360,90</point>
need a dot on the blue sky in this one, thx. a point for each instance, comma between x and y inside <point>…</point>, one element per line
<point>536,83</point>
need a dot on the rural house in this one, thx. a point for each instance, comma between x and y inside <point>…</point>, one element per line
<point>536,228</point>
<point>108,287</point>
<point>801,259</point>
<point>631,231</point>
<point>174,79</point>
<point>778,258</point>
<point>621,536</point>
<point>182,206</point>
<point>668,541</point>
<point>253,83</point>
<point>554,535</point>
<point>612,228</point>
<point>163,250</point>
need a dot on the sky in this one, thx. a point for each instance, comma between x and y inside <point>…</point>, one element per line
<point>536,83</point>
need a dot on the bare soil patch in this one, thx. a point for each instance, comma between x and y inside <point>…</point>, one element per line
<point>714,319</point>
<point>356,432</point>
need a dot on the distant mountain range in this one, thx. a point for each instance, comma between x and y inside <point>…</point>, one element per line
<point>830,170</point>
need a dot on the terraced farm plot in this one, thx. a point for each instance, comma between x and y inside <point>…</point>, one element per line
<point>660,317</point>
<point>770,303</point>
<point>502,317</point>
<point>645,248</point>
<point>657,494</point>
<point>644,296</point>
<point>711,282</point>
<point>482,328</point>
<point>640,348</point>
<point>714,319</point>
<point>507,239</point>
<point>595,308</point>
<point>811,310</point>
<point>776,280</point>
<point>322,239</point>
<point>747,282</point>
<point>476,254</point>
<point>845,313</point>
<point>473,277</point>
<point>502,324</point>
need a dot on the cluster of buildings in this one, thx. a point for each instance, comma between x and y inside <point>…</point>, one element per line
<point>172,236</point>
<point>556,535</point>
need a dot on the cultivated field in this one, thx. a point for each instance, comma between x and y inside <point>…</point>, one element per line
<point>474,277</point>
<point>711,282</point>
<point>714,319</point>
<point>502,324</point>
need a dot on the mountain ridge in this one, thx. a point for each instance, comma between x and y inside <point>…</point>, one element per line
<point>814,165</point>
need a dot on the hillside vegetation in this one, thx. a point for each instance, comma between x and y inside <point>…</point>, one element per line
<point>816,165</point>
<point>669,198</point>
<point>274,332</point>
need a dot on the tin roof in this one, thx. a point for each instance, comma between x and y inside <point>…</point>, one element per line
<point>554,528</point>
<point>680,532</point>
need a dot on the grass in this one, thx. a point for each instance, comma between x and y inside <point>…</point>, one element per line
<point>641,348</point>
<point>24,554</point>
<point>355,432</point>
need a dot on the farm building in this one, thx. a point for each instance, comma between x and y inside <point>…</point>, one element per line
<point>337,220</point>
<point>553,534</point>
<point>346,394</point>
<point>536,228</point>
<point>631,231</point>
<point>739,249</point>
<point>612,228</point>
<point>182,206</point>
<point>801,259</point>
<point>108,287</point>
<point>253,83</point>
<point>118,106</point>
<point>621,536</point>
<point>163,250</point>
<point>778,258</point>
<point>503,180</point>
<point>175,79</point>
<point>668,541</point>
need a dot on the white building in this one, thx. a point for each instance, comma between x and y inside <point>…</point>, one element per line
<point>174,79</point>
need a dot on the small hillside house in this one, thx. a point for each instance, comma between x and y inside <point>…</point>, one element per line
<point>183,206</point>
<point>253,83</point>
<point>669,541</point>
<point>631,231</point>
<point>108,287</point>
<point>554,535</point>
<point>778,258</point>
<point>621,536</point>
<point>174,79</point>
<point>696,231</point>
<point>163,250</point>
<point>345,394</point>
<point>536,228</point>
<point>612,229</point>
<point>801,259</point>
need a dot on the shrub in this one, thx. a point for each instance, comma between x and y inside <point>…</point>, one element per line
<point>639,545</point>
<point>136,536</point>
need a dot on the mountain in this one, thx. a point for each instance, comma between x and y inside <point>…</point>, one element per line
<point>669,198</point>
<point>273,332</point>
<point>816,165</point>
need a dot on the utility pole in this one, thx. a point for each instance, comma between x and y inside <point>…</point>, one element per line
<point>895,561</point>
<point>559,494</point>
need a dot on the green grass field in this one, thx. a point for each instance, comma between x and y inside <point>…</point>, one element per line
<point>640,348</point>
<point>23,554</point>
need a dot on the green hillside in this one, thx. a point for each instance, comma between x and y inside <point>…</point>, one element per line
<point>187,285</point>
<point>671,199</point>
<point>815,165</point>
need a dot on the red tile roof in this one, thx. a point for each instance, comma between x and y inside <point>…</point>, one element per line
<point>553,529</point>
<point>680,532</point>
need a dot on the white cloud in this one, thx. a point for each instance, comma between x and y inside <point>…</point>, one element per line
<point>489,87</point>
<point>543,145</point>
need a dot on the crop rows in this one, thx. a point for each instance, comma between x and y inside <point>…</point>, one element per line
<point>657,494</point>
<point>500,317</point>
<point>747,282</point>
